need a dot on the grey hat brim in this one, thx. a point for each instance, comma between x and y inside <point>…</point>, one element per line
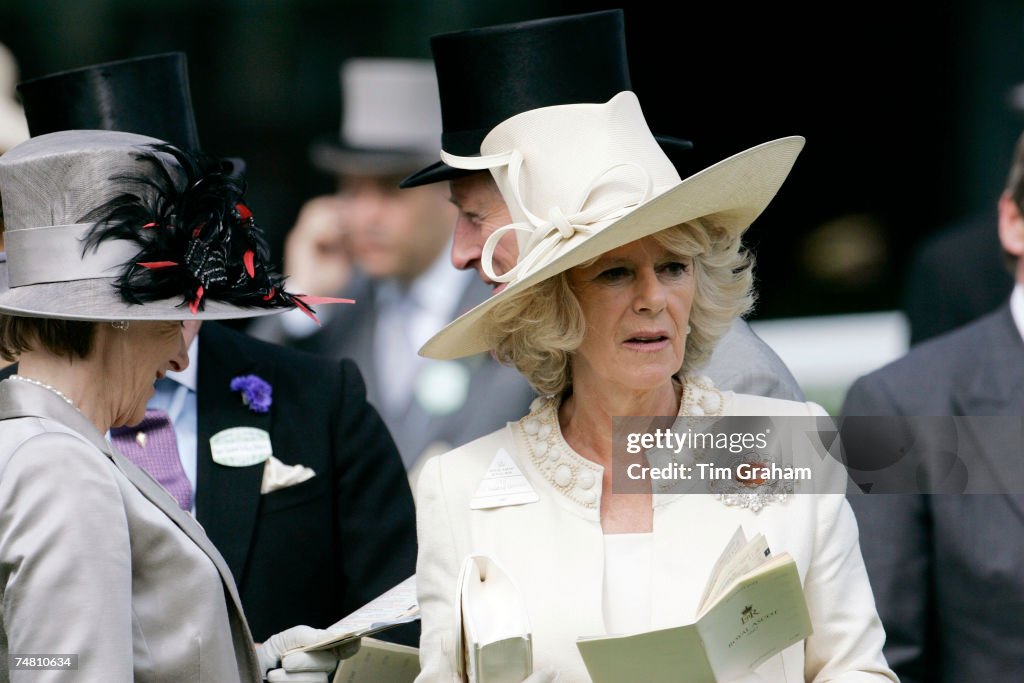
<point>333,158</point>
<point>98,300</point>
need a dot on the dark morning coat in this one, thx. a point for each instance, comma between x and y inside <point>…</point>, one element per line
<point>948,570</point>
<point>310,553</point>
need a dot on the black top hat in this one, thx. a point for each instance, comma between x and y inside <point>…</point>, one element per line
<point>490,74</point>
<point>145,95</point>
<point>142,95</point>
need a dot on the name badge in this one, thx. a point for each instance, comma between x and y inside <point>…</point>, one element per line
<point>502,485</point>
<point>240,446</point>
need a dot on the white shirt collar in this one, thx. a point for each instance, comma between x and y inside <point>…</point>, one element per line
<point>187,377</point>
<point>1017,307</point>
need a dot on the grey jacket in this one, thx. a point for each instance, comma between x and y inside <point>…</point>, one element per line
<point>97,560</point>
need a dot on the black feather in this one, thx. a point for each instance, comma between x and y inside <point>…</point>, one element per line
<point>196,219</point>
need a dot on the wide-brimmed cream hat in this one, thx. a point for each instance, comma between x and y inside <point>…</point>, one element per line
<point>104,225</point>
<point>583,179</point>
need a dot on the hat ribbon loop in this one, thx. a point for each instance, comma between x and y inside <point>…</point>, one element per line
<point>546,236</point>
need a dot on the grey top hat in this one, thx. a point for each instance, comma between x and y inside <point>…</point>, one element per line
<point>391,119</point>
<point>13,127</point>
<point>104,225</point>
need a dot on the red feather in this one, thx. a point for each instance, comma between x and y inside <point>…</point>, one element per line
<point>247,259</point>
<point>306,309</point>
<point>270,295</point>
<point>150,225</point>
<point>156,265</point>
<point>243,211</point>
<point>194,306</point>
<point>313,300</point>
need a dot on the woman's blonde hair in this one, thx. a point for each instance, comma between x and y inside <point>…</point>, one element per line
<point>538,330</point>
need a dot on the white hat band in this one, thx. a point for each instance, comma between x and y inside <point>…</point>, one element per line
<point>54,253</point>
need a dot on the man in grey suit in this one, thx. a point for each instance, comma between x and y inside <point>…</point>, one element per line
<point>948,570</point>
<point>388,250</point>
<point>488,75</point>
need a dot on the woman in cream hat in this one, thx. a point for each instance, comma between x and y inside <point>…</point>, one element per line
<point>627,277</point>
<point>116,244</point>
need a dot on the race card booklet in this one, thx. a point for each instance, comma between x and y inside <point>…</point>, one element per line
<point>392,608</point>
<point>752,608</point>
<point>379,660</point>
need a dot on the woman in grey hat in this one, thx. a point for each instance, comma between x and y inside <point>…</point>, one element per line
<point>116,243</point>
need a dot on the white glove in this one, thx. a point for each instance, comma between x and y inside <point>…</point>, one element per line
<point>301,667</point>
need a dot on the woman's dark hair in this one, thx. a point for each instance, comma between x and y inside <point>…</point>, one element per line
<point>68,338</point>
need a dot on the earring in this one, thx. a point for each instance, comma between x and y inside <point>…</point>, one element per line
<point>120,325</point>
<point>689,329</point>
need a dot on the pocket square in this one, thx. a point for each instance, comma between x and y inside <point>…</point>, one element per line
<point>277,475</point>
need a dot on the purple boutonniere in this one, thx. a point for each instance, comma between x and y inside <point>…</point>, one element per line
<point>256,393</point>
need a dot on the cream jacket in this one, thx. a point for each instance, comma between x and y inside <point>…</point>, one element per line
<point>554,549</point>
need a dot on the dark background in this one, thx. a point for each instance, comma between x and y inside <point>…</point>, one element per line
<point>904,109</point>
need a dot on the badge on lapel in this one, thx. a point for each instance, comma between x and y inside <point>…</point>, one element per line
<point>247,446</point>
<point>240,446</point>
<point>503,484</point>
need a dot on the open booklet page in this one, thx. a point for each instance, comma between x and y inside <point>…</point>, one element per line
<point>497,646</point>
<point>392,608</point>
<point>379,660</point>
<point>739,558</point>
<point>753,608</point>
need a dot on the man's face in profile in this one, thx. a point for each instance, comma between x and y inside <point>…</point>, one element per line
<point>482,210</point>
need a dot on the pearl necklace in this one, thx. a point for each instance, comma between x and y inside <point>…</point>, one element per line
<point>43,385</point>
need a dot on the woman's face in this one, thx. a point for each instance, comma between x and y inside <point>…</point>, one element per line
<point>636,303</point>
<point>148,351</point>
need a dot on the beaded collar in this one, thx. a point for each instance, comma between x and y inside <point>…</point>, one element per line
<point>568,472</point>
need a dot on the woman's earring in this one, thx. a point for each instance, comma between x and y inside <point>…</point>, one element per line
<point>689,329</point>
<point>120,325</point>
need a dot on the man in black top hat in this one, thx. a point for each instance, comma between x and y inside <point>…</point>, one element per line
<point>488,75</point>
<point>303,553</point>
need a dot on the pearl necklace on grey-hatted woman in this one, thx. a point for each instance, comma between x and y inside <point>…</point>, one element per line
<point>44,385</point>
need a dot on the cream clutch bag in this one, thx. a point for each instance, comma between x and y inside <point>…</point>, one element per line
<point>493,631</point>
